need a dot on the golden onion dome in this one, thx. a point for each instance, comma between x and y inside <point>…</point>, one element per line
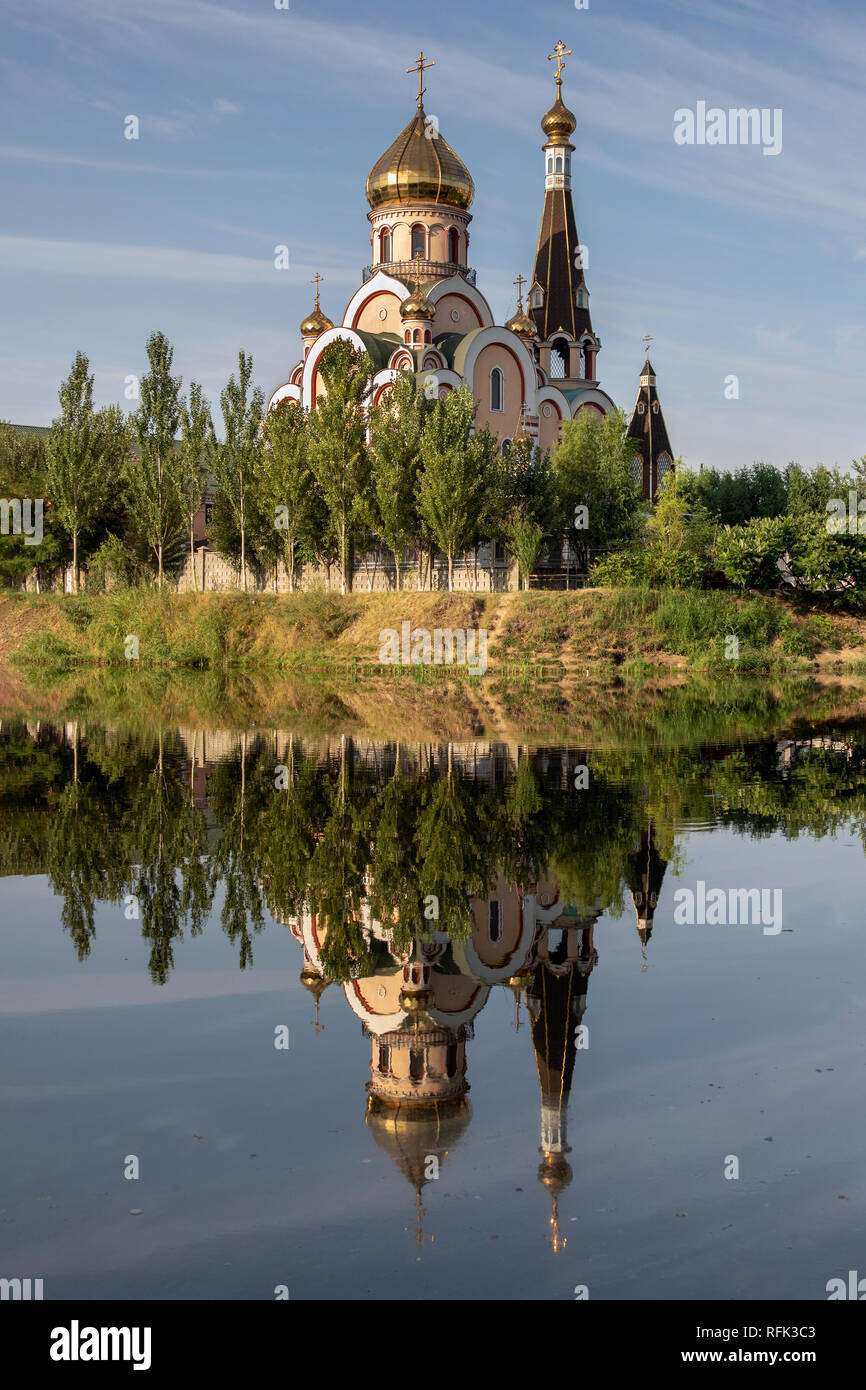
<point>420,166</point>
<point>417,306</point>
<point>559,123</point>
<point>522,325</point>
<point>315,323</point>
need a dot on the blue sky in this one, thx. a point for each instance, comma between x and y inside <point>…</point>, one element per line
<point>258,127</point>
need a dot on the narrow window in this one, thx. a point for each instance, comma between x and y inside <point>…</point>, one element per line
<point>385,245</point>
<point>419,241</point>
<point>496,390</point>
<point>494,920</point>
<point>559,163</point>
<point>454,246</point>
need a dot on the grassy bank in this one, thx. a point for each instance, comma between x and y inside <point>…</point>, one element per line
<point>555,635</point>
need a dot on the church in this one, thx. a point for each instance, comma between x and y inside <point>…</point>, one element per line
<point>418,308</point>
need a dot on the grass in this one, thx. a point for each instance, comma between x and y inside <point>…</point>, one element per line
<point>537,635</point>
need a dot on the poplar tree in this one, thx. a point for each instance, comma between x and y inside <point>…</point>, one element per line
<point>152,474</point>
<point>339,455</point>
<point>82,444</point>
<point>196,448</point>
<point>284,480</point>
<point>396,428</point>
<point>455,468</point>
<point>235,460</point>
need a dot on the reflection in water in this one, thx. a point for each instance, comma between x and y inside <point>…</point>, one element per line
<point>416,877</point>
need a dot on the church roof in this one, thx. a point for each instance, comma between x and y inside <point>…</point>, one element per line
<point>555,270</point>
<point>641,420</point>
<point>420,165</point>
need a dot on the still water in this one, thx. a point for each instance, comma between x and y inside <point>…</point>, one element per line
<point>358,1019</point>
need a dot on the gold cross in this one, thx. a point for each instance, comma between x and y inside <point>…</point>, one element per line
<point>559,53</point>
<point>519,282</point>
<point>315,281</point>
<point>419,67</point>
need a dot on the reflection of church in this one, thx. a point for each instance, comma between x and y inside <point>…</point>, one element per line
<point>419,1006</point>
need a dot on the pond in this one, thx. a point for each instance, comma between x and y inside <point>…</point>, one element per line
<point>326,1016</point>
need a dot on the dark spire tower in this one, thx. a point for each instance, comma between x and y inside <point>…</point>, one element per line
<point>653,458</point>
<point>558,296</point>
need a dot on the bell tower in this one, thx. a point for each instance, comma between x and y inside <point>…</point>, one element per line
<point>558,296</point>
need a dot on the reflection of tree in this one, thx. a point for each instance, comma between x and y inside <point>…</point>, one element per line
<point>82,863</point>
<point>172,885</point>
<point>396,897</point>
<point>453,830</point>
<point>337,879</point>
<point>235,862</point>
<point>360,842</point>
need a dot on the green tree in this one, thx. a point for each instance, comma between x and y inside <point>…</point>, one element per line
<point>152,472</point>
<point>83,445</point>
<point>235,460</point>
<point>679,536</point>
<point>284,481</point>
<point>527,503</point>
<point>339,456</point>
<point>396,431</point>
<point>455,468</point>
<point>599,499</point>
<point>196,449</point>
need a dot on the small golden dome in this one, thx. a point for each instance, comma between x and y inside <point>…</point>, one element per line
<point>417,306</point>
<point>559,123</point>
<point>419,166</point>
<point>315,323</point>
<point>521,324</point>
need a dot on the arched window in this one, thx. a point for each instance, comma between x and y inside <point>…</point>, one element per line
<point>428,336</point>
<point>550,164</point>
<point>559,359</point>
<point>503,448</point>
<point>451,1059</point>
<point>416,336</point>
<point>416,1064</point>
<point>559,163</point>
<point>384,245</point>
<point>497,390</point>
<point>454,246</point>
<point>384,1058</point>
<point>655,407</point>
<point>568,163</point>
<point>419,241</point>
<point>640,407</point>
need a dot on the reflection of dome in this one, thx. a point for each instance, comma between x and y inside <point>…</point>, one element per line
<point>558,123</point>
<point>416,1000</point>
<point>555,1172</point>
<point>412,1134</point>
<point>419,166</point>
